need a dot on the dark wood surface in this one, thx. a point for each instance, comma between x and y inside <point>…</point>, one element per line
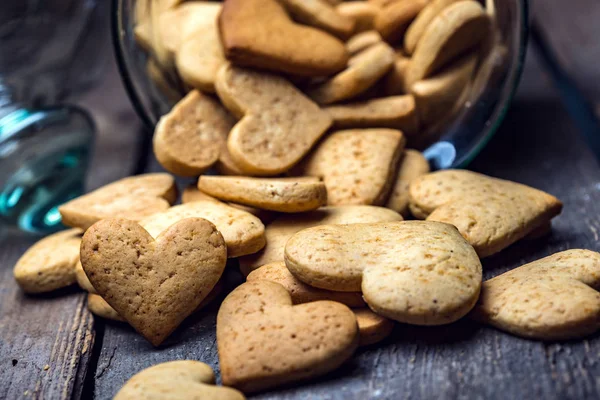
<point>538,144</point>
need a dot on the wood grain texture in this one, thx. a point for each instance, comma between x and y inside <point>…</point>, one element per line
<point>537,145</point>
<point>45,341</point>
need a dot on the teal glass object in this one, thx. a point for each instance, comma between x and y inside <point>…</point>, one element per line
<point>43,157</point>
<point>49,51</point>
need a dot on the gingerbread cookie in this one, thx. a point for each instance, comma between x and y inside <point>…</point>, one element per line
<point>456,29</point>
<point>50,263</point>
<point>416,272</point>
<point>188,140</point>
<point>288,195</point>
<point>396,112</point>
<point>268,140</point>
<point>183,379</point>
<point>393,19</point>
<point>555,298</point>
<point>260,34</point>
<point>134,198</point>
<point>265,341</point>
<point>153,284</point>
<point>363,71</point>
<point>372,328</point>
<point>357,166</point>
<point>320,14</point>
<point>490,213</point>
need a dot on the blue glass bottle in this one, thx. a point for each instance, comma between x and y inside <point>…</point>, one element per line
<point>49,50</point>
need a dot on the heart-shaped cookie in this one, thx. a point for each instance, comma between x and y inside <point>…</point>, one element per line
<point>183,380</point>
<point>284,227</point>
<point>259,33</point>
<point>264,341</point>
<point>50,263</point>
<point>416,272</point>
<point>153,284</point>
<point>554,298</point>
<point>133,198</point>
<point>278,123</point>
<point>490,213</point>
<point>357,166</point>
<point>188,140</point>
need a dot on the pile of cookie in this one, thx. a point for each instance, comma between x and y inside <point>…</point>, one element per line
<point>408,65</point>
<point>315,218</point>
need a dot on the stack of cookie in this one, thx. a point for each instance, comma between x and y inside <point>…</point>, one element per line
<point>314,217</point>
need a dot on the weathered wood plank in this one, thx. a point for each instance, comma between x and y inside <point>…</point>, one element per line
<point>537,145</point>
<point>45,341</point>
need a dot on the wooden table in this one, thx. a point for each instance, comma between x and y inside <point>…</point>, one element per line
<point>51,347</point>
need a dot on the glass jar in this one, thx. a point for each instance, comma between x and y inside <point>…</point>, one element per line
<point>451,143</point>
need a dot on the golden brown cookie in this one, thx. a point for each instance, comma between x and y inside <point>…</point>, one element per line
<point>191,194</point>
<point>299,291</point>
<point>188,140</point>
<point>243,232</point>
<point>153,284</point>
<point>396,112</point>
<point>458,28</point>
<point>490,213</point>
<point>372,328</point>
<point>417,272</point>
<point>98,306</point>
<point>363,71</point>
<point>422,21</point>
<point>134,198</point>
<point>265,341</point>
<point>394,82</point>
<point>268,139</point>
<point>260,34</point>
<point>288,195</point>
<point>412,165</point>
<point>435,96</point>
<point>320,14</point>
<point>50,263</point>
<point>393,19</point>
<point>358,165</point>
<point>555,298</point>
<point>284,227</point>
<point>200,54</point>
<point>82,279</point>
<point>362,13</point>
<point>183,379</point>
<point>362,41</point>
